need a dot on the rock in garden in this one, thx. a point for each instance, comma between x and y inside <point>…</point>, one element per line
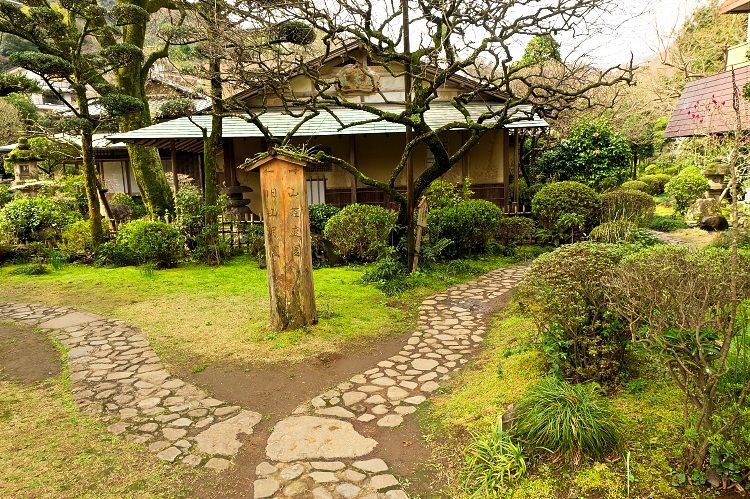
<point>310,437</point>
<point>714,223</point>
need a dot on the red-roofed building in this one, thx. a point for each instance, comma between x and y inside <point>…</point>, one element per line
<point>705,105</point>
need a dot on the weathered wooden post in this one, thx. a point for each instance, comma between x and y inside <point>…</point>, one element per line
<point>287,234</point>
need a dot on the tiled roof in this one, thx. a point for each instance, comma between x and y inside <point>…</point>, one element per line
<point>705,106</point>
<point>280,123</point>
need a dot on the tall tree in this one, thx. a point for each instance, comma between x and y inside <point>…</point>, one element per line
<point>68,51</point>
<point>118,37</point>
<point>453,39</point>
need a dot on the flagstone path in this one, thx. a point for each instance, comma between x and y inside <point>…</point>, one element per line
<point>316,452</point>
<point>319,450</point>
<point>115,375</point>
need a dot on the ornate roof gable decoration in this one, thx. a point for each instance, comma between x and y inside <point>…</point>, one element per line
<point>353,78</point>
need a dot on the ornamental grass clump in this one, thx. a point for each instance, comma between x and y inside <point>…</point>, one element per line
<point>571,421</point>
<point>490,462</point>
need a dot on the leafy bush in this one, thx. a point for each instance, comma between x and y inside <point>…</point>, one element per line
<point>37,268</point>
<point>666,224</point>
<point>592,153</point>
<point>78,241</point>
<point>635,185</point>
<point>319,216</point>
<point>515,230</point>
<point>8,243</point>
<point>680,304</point>
<point>655,183</point>
<point>554,201</point>
<point>471,225</point>
<point>724,240</point>
<point>441,194</point>
<point>36,218</point>
<point>622,231</point>
<point>189,215</point>
<point>572,421</point>
<point>628,205</point>
<point>686,187</point>
<point>359,232</point>
<point>490,461</point>
<point>564,293</point>
<point>143,241</point>
<point>6,195</point>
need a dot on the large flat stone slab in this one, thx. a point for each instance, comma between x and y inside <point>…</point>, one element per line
<point>70,320</point>
<point>308,437</point>
<point>221,438</point>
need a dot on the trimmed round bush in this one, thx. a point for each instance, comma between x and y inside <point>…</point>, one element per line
<point>471,225</point>
<point>629,205</point>
<point>515,230</point>
<point>656,182</point>
<point>320,214</point>
<point>685,188</point>
<point>36,218</point>
<point>570,421</point>
<point>6,195</point>
<point>564,292</point>
<point>555,200</point>
<point>666,224</point>
<point>635,185</point>
<point>359,232</point>
<point>145,241</point>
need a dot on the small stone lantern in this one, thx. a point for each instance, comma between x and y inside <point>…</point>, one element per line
<point>24,162</point>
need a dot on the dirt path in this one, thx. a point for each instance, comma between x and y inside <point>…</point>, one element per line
<point>351,440</point>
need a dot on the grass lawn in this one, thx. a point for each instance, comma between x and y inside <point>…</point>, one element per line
<point>48,449</point>
<point>474,400</point>
<point>196,315</point>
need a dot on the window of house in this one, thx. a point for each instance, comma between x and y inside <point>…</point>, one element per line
<point>316,191</point>
<point>50,98</point>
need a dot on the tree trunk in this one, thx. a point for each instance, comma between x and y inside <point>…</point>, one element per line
<point>145,161</point>
<point>212,145</point>
<point>90,183</point>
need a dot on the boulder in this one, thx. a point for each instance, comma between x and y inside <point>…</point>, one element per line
<point>714,223</point>
<point>703,208</point>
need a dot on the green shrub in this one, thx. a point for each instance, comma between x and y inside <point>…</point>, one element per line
<point>685,188</point>
<point>490,461</point>
<point>656,182</point>
<point>635,185</point>
<point>555,200</point>
<point>71,190</point>
<point>6,195</point>
<point>513,231</point>
<point>189,213</point>
<point>37,268</point>
<point>320,214</point>
<point>622,231</point>
<point>628,205</point>
<point>441,194</point>
<point>8,243</point>
<point>78,241</point>
<point>359,232</point>
<point>564,292</point>
<point>471,225</point>
<point>724,240</point>
<point>666,224</point>
<point>143,241</point>
<point>572,421</point>
<point>36,218</point>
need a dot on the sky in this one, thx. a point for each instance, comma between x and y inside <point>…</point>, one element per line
<point>636,27</point>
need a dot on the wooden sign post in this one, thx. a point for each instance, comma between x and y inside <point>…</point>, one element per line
<point>288,249</point>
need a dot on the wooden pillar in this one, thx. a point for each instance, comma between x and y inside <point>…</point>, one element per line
<point>230,167</point>
<point>465,159</point>
<point>287,236</point>
<point>173,150</point>
<point>353,161</point>
<point>507,156</point>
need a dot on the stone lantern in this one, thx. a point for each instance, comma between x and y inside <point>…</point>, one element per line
<point>24,162</point>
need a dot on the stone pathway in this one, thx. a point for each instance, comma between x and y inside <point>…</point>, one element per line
<point>318,451</point>
<point>115,375</point>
